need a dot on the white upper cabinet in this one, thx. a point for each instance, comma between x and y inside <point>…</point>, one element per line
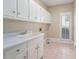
<point>33,11</point>
<point>9,8</point>
<point>23,9</point>
<point>38,13</point>
<point>42,14</point>
<point>32,49</point>
<point>45,16</point>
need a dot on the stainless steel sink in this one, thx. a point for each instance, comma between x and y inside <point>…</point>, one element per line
<point>23,33</point>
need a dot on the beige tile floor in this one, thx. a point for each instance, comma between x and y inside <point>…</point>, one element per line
<point>59,51</point>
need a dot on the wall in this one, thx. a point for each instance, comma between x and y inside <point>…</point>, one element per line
<point>54,29</point>
<point>14,26</point>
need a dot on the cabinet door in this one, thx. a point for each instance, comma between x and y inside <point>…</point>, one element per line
<point>32,49</point>
<point>23,9</point>
<point>33,10</point>
<point>16,52</point>
<point>40,47</point>
<point>42,15</point>
<point>47,15</point>
<point>22,56</point>
<point>9,8</point>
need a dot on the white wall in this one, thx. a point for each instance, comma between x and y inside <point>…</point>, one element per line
<point>54,29</point>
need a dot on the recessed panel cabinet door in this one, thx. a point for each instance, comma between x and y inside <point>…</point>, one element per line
<point>33,11</point>
<point>9,8</point>
<point>40,47</point>
<point>23,9</point>
<point>32,49</point>
<point>42,15</point>
<point>21,56</point>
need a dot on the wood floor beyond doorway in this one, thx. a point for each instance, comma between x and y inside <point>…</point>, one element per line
<point>59,51</point>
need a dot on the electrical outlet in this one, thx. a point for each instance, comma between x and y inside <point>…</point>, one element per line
<point>40,29</point>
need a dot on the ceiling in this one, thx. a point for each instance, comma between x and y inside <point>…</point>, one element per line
<point>56,2</point>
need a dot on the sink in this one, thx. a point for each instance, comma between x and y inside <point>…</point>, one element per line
<point>24,34</point>
<point>27,34</point>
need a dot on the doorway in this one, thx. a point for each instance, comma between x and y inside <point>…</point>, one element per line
<point>65,25</point>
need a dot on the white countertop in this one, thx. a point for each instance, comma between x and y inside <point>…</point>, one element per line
<point>13,40</point>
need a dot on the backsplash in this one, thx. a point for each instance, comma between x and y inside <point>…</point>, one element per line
<point>14,26</point>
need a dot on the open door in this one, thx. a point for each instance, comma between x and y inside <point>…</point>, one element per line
<point>65,26</point>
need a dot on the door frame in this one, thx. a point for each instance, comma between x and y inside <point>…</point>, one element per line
<point>70,30</point>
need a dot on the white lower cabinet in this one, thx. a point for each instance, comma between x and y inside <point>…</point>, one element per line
<point>40,48</point>
<point>33,49</point>
<point>17,52</point>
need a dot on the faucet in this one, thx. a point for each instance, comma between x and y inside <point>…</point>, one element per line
<point>24,32</point>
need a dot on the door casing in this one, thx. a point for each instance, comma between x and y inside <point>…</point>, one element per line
<point>70,27</point>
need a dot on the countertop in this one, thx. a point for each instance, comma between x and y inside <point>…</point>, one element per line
<point>10,40</point>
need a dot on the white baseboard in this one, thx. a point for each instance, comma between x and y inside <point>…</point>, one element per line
<point>51,40</point>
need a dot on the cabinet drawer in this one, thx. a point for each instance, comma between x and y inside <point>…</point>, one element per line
<point>14,51</point>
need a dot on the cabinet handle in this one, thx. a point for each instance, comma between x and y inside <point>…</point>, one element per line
<point>25,57</point>
<point>13,11</point>
<point>18,50</point>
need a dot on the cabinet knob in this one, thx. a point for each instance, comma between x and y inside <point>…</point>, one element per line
<point>13,11</point>
<point>18,50</point>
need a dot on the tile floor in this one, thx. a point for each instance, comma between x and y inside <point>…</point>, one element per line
<point>59,51</point>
